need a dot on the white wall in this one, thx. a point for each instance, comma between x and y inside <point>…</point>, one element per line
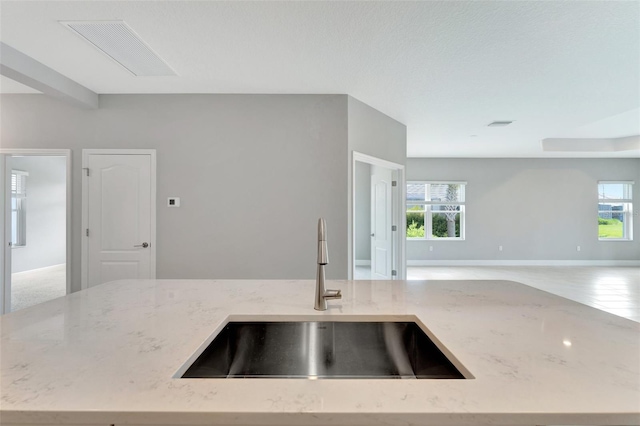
<point>537,209</point>
<point>254,173</point>
<point>46,213</point>
<point>363,211</point>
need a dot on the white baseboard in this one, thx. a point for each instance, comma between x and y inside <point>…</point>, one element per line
<point>523,262</point>
<point>40,269</point>
<point>363,263</point>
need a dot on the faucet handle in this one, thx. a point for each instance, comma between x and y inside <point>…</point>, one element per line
<point>333,294</point>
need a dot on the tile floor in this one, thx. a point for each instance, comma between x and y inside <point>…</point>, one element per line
<point>612,289</point>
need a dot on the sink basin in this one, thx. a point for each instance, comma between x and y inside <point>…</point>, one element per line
<point>322,350</point>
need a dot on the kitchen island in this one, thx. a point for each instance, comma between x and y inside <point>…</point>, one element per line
<point>112,354</point>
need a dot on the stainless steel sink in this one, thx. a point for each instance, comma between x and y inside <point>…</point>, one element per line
<point>322,350</point>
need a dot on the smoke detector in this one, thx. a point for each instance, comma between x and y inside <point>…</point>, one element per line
<point>119,42</point>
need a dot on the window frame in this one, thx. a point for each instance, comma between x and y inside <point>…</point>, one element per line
<point>627,212</point>
<point>428,211</point>
<point>19,194</point>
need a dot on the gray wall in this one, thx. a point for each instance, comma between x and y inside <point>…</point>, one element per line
<point>46,213</point>
<point>363,211</point>
<point>254,173</point>
<point>537,209</point>
<point>378,135</point>
<point>374,133</point>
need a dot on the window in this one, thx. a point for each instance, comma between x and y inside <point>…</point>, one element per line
<point>615,210</point>
<point>438,208</point>
<point>18,208</point>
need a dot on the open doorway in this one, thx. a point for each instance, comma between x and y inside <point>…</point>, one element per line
<point>362,224</point>
<point>378,249</point>
<point>35,186</point>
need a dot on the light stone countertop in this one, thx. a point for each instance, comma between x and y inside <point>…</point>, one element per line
<point>108,355</point>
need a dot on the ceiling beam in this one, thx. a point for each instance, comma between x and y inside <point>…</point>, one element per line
<point>628,143</point>
<point>26,70</point>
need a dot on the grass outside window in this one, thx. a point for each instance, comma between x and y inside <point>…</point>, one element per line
<point>615,210</point>
<point>610,228</point>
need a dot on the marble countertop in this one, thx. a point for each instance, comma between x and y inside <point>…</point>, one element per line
<point>108,355</point>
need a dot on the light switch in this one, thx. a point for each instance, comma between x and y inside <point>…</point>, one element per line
<point>173,202</point>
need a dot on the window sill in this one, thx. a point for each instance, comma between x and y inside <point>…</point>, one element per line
<point>616,239</point>
<point>435,239</point>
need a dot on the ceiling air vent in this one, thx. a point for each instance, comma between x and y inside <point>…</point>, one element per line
<point>500,123</point>
<point>120,43</point>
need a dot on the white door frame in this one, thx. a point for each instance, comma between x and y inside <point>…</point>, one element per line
<point>398,219</point>
<point>5,230</point>
<point>85,206</point>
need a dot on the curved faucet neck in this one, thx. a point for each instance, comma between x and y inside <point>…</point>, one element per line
<point>323,295</point>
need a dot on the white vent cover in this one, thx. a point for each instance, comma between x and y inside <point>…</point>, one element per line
<point>499,123</point>
<point>119,42</point>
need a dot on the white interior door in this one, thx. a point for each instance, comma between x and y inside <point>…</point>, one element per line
<point>120,217</point>
<point>381,216</point>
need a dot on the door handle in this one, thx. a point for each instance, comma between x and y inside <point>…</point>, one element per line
<point>143,245</point>
<point>373,235</point>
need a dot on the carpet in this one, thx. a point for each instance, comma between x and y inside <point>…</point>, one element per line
<point>39,285</point>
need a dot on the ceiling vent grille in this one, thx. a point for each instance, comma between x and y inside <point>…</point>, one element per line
<point>500,123</point>
<point>122,44</point>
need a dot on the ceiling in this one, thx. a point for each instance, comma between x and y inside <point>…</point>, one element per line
<point>558,69</point>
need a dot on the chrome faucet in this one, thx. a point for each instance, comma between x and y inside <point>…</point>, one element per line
<point>323,295</point>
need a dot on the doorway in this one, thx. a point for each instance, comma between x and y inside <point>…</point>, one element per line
<point>377,243</point>
<point>36,211</point>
